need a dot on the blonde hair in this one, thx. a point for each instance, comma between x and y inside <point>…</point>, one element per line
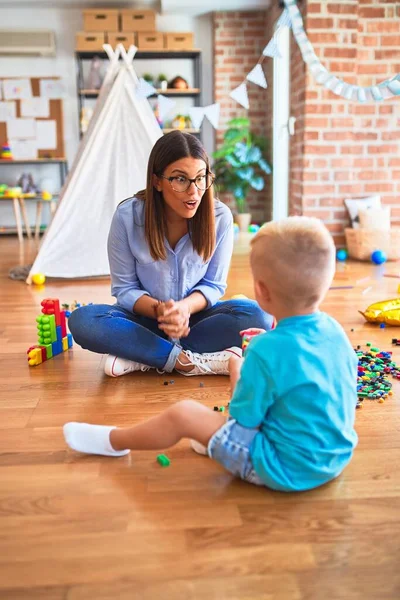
<point>296,258</point>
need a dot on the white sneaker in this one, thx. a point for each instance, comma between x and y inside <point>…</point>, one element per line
<point>115,367</point>
<point>210,363</point>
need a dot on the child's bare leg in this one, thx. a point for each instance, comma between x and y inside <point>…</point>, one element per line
<point>186,419</point>
<point>235,364</point>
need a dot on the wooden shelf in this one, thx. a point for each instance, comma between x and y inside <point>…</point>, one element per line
<point>169,92</point>
<point>168,130</point>
<point>145,54</point>
<point>31,161</point>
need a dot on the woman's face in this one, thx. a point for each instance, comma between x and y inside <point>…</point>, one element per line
<point>182,203</point>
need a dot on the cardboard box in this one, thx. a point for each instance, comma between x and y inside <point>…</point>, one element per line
<point>150,40</point>
<point>138,20</point>
<point>87,42</point>
<point>179,41</point>
<point>119,37</point>
<point>100,20</point>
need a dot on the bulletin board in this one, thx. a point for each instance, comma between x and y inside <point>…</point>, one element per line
<point>55,114</point>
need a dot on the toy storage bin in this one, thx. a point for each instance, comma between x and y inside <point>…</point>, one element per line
<point>361,243</point>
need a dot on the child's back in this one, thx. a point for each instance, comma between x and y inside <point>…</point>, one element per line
<point>304,377</point>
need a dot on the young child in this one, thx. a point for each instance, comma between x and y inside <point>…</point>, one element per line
<point>291,424</point>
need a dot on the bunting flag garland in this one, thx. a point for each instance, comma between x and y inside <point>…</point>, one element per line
<point>164,106</point>
<point>212,113</point>
<point>271,49</point>
<point>196,114</point>
<point>145,89</point>
<point>290,17</point>
<point>257,76</point>
<point>387,89</point>
<point>240,95</point>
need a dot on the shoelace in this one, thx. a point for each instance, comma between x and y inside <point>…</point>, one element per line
<point>201,360</point>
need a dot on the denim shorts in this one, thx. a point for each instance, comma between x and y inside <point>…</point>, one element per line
<point>230,446</point>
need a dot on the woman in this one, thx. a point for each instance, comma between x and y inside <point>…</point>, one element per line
<point>169,249</point>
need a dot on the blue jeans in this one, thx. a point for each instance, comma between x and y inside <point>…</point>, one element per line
<point>113,330</point>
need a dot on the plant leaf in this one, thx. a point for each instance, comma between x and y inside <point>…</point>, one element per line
<point>232,160</point>
<point>239,122</point>
<point>257,183</point>
<point>246,173</point>
<point>262,163</point>
<point>253,154</point>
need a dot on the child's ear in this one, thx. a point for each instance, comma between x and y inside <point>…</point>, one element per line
<point>157,183</point>
<point>262,290</point>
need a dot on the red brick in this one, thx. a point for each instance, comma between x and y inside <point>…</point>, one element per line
<point>324,215</point>
<point>384,54</point>
<point>311,135</point>
<point>315,109</point>
<point>362,109</point>
<point>383,149</point>
<point>323,38</point>
<point>386,26</point>
<point>372,69</point>
<point>363,163</point>
<point>371,12</point>
<point>369,40</point>
<point>343,176</point>
<point>385,109</point>
<point>360,135</point>
<point>309,176</point>
<point>372,175</point>
<point>340,52</point>
<point>391,135</point>
<point>347,8</point>
<point>390,40</point>
<point>344,122</point>
<point>342,66</point>
<point>313,149</point>
<point>353,188</point>
<point>319,163</point>
<point>339,162</point>
<point>396,174</point>
<point>351,149</point>
<point>318,189</point>
<point>337,135</point>
<point>347,24</point>
<point>314,7</point>
<point>379,187</point>
<point>394,162</point>
<point>319,23</point>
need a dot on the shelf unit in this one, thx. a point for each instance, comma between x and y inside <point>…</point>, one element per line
<point>195,92</point>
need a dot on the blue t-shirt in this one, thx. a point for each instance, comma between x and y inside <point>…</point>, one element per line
<point>298,385</point>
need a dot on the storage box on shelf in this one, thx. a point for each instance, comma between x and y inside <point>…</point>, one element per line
<point>150,40</point>
<point>87,42</point>
<point>138,20</point>
<point>126,39</point>
<point>179,41</point>
<point>98,19</point>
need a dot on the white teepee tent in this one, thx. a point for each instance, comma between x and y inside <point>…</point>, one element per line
<point>110,165</point>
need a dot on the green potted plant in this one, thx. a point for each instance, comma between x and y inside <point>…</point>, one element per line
<point>149,78</point>
<point>162,81</point>
<point>240,166</point>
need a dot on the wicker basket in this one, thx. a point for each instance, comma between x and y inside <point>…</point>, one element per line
<point>361,243</point>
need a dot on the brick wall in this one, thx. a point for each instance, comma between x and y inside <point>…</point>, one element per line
<point>239,39</point>
<point>350,150</point>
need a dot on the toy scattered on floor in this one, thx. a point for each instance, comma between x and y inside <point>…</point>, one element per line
<point>342,254</point>
<point>201,384</point>
<point>216,408</point>
<point>239,297</point>
<point>378,257</point>
<point>6,152</point>
<point>52,333</point>
<point>382,325</point>
<point>253,228</point>
<point>374,368</point>
<point>386,311</point>
<point>38,279</point>
<point>163,460</point>
<point>221,409</point>
<point>69,308</point>
<point>165,382</point>
<point>396,342</point>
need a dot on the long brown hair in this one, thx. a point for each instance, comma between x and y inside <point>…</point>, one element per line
<point>169,148</point>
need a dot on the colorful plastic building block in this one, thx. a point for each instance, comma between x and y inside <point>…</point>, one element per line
<point>163,460</point>
<point>52,333</point>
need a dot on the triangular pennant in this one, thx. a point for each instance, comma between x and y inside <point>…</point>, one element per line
<point>212,113</point>
<point>284,20</point>
<point>196,114</point>
<point>145,89</point>
<point>271,49</point>
<point>240,95</point>
<point>164,106</point>
<point>257,76</point>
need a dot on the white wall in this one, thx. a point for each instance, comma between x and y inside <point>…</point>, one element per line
<point>65,22</point>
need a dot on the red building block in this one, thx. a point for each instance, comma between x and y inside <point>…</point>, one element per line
<point>51,306</point>
<point>63,323</point>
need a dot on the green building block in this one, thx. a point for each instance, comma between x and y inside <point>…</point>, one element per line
<point>222,409</point>
<point>163,460</point>
<point>46,326</point>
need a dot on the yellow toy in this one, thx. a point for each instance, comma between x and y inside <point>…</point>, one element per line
<point>46,195</point>
<point>239,297</point>
<point>38,278</point>
<point>387,311</point>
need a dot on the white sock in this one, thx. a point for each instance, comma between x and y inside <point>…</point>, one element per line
<point>91,439</point>
<point>199,448</point>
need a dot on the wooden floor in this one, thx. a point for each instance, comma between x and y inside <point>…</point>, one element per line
<point>87,528</point>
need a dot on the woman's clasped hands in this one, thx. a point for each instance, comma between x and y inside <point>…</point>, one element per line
<point>173,318</point>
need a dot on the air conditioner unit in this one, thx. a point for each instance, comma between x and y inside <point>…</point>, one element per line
<point>33,42</point>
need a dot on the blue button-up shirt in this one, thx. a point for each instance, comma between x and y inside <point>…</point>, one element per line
<point>134,272</point>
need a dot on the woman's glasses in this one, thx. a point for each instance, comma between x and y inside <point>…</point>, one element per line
<point>180,183</point>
